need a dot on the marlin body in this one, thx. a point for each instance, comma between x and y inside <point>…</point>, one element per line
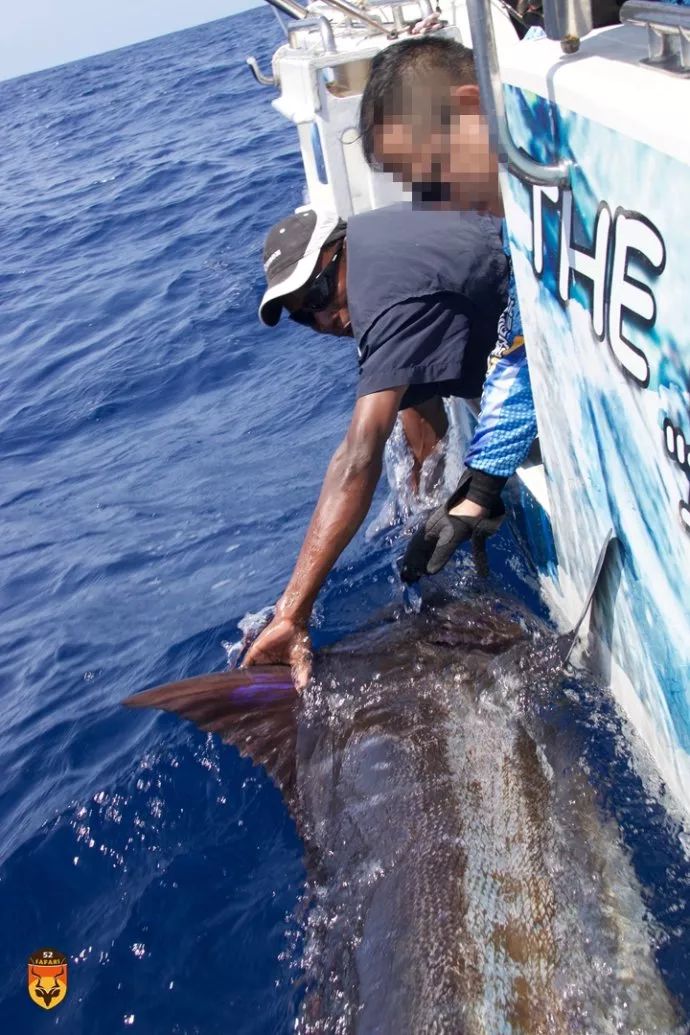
<point>461,877</point>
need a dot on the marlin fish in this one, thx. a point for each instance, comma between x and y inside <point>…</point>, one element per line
<point>461,878</point>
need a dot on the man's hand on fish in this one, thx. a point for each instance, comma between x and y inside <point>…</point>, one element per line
<point>284,642</point>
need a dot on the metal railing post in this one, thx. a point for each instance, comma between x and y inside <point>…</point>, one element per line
<point>491,88</point>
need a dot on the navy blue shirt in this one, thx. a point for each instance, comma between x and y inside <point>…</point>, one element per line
<point>425,290</point>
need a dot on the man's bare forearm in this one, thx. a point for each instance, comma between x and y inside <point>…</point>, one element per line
<point>346,496</point>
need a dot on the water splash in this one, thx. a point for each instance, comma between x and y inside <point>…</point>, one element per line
<point>438,477</point>
<point>250,626</point>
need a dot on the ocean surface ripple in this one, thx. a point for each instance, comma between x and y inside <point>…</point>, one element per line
<point>161,452</point>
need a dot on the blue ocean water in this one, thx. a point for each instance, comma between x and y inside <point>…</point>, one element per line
<point>144,416</point>
<point>160,455</point>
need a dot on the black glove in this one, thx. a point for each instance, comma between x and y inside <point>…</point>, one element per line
<point>434,543</point>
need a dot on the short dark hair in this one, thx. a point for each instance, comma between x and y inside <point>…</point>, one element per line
<point>427,58</point>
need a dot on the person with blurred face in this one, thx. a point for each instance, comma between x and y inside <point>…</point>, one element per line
<point>421,121</point>
<point>421,292</point>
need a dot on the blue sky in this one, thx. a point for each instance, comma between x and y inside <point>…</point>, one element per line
<point>41,33</point>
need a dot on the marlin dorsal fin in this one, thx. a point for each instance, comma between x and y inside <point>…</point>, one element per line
<point>252,708</point>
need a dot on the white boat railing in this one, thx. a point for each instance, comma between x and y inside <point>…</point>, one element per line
<point>360,15</point>
<point>325,29</point>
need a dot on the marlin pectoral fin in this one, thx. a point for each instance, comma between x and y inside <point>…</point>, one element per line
<point>252,708</point>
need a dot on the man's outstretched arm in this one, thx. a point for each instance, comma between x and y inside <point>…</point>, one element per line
<point>346,496</point>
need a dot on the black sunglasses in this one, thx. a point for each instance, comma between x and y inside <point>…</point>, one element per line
<point>320,292</point>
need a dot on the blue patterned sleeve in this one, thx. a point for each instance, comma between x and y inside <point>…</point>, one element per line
<point>507,424</point>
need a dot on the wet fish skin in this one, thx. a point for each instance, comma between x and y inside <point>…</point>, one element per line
<point>424,793</point>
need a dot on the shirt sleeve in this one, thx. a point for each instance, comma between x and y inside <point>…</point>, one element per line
<point>507,423</point>
<point>419,341</point>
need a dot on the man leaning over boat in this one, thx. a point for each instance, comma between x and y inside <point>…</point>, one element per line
<point>421,292</point>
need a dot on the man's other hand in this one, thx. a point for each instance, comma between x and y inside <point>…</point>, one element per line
<point>283,642</point>
<point>432,545</point>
